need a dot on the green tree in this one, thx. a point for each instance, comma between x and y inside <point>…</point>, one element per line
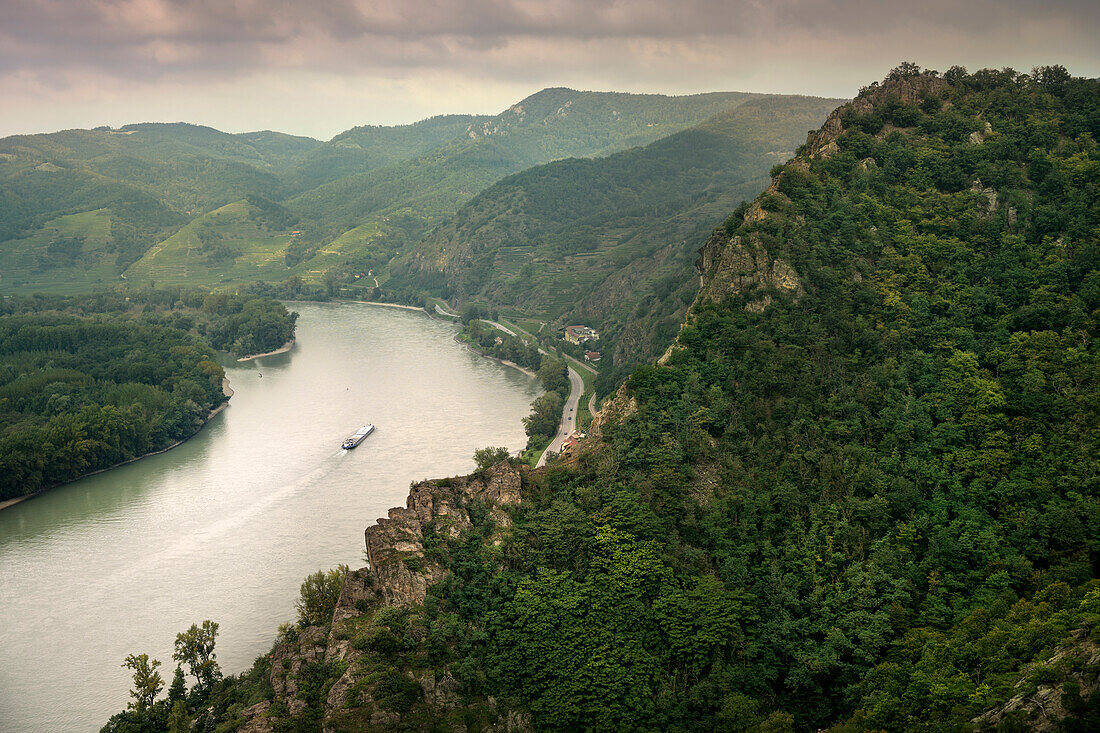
<point>545,416</point>
<point>470,312</point>
<point>178,719</point>
<point>147,681</point>
<point>178,689</point>
<point>554,375</point>
<point>487,457</point>
<point>318,596</point>
<point>195,648</point>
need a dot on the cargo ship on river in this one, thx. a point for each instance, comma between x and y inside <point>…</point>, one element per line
<point>359,436</point>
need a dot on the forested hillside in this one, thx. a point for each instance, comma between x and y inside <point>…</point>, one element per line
<point>398,204</point>
<point>611,241</point>
<point>79,208</point>
<point>88,382</point>
<point>364,148</point>
<point>861,493</point>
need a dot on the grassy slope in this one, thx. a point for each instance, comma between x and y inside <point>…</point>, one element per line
<point>26,264</point>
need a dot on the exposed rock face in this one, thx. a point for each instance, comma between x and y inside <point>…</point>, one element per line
<point>990,194</point>
<point>399,574</point>
<point>287,661</point>
<point>441,693</point>
<point>736,266</point>
<point>1044,709</point>
<point>394,541</point>
<point>256,721</point>
<point>615,409</point>
<point>908,91</point>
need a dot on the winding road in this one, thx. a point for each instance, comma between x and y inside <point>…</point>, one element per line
<point>568,416</point>
<point>569,409</point>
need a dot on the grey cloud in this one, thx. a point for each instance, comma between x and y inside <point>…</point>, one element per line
<point>148,38</point>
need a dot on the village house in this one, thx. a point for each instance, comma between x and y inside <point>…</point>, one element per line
<point>591,356</point>
<point>580,334</point>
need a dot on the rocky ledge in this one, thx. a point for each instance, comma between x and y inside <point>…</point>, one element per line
<point>403,557</point>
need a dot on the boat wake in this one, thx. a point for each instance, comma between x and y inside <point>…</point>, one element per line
<point>216,531</point>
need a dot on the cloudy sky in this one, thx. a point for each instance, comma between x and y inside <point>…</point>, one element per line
<point>316,68</point>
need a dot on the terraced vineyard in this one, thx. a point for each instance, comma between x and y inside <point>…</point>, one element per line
<point>229,244</point>
<point>69,251</point>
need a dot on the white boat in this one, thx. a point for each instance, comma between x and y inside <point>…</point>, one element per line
<point>360,435</point>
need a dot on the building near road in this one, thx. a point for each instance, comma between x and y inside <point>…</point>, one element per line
<point>591,356</point>
<point>572,441</point>
<point>580,334</point>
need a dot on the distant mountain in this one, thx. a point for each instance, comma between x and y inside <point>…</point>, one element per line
<point>611,241</point>
<point>549,125</point>
<point>348,205</point>
<point>361,149</point>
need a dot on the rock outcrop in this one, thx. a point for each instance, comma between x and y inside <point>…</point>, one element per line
<point>395,545</point>
<point>402,566</point>
<point>741,266</point>
<point>287,662</point>
<point>822,142</point>
<point>1042,707</point>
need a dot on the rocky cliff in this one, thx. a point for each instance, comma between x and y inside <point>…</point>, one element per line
<point>1049,692</point>
<point>346,674</point>
<point>731,265</point>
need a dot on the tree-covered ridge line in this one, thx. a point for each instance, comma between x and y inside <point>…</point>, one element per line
<point>88,382</point>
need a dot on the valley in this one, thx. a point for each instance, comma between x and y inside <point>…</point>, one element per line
<point>835,362</point>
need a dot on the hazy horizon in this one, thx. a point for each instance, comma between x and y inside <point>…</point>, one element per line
<point>493,112</point>
<point>285,66</point>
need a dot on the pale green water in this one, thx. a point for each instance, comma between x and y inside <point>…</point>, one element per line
<point>227,525</point>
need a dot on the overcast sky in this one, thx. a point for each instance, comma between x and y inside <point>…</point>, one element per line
<point>321,67</point>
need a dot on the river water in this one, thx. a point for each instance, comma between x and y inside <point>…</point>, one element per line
<point>227,525</point>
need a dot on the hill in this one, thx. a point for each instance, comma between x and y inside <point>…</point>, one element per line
<point>243,240</point>
<point>417,194</point>
<point>606,241</point>
<point>860,492</point>
<point>361,198</point>
<point>365,148</point>
<point>147,180</point>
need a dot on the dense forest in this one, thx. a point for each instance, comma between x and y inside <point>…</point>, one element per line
<point>87,382</point>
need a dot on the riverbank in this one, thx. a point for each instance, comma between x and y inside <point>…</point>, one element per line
<point>226,390</point>
<point>505,362</point>
<point>281,350</point>
<point>473,347</point>
<point>389,305</point>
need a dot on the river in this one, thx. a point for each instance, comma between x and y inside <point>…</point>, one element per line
<point>227,525</point>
